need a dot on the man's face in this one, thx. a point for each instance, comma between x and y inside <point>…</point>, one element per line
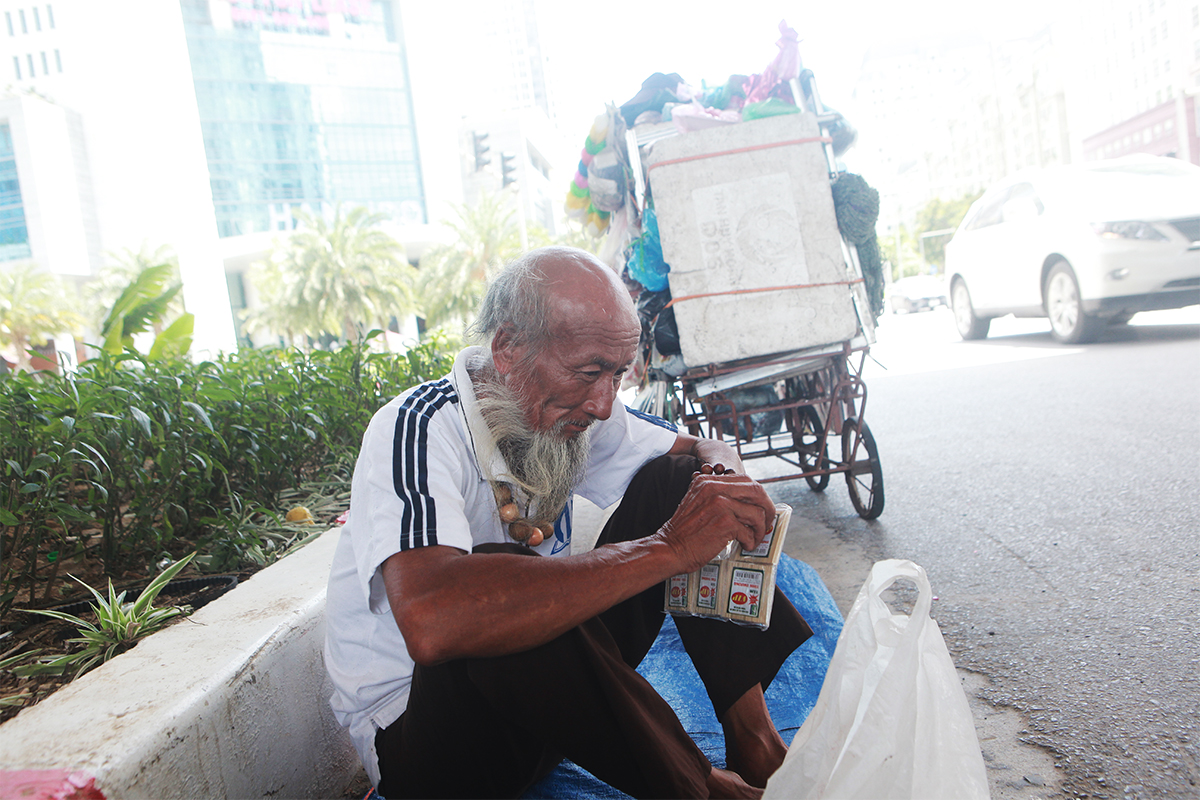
<point>569,381</point>
<point>573,380</point>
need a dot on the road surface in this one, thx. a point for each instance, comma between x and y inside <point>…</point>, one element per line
<point>1052,494</point>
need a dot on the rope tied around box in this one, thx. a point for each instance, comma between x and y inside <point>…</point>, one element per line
<point>681,298</point>
<point>737,150</point>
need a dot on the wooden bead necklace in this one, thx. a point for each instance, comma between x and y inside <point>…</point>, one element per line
<point>521,530</point>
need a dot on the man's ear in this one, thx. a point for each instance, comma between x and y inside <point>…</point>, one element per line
<point>506,352</point>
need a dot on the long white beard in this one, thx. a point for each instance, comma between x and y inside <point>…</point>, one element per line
<point>546,465</point>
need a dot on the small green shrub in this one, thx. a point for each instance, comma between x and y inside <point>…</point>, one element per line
<point>118,627</point>
<point>132,457</point>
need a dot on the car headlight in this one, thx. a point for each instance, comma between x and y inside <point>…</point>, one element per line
<point>1128,230</point>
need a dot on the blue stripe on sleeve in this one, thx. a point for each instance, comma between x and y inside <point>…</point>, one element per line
<point>653,420</point>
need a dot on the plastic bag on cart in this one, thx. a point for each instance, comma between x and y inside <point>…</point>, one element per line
<point>645,262</point>
<point>656,91</point>
<point>758,423</point>
<point>785,66</point>
<point>658,321</point>
<point>771,107</point>
<point>892,719</point>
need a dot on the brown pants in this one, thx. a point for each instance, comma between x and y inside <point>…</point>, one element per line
<point>491,727</point>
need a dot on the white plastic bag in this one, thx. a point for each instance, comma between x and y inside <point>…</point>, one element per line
<point>892,719</point>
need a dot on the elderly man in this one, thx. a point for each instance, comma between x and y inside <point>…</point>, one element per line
<point>470,651</point>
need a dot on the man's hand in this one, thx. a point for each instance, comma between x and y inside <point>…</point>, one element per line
<point>717,509</point>
<point>711,452</point>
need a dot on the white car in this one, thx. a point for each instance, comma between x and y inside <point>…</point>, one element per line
<point>916,293</point>
<point>1085,245</point>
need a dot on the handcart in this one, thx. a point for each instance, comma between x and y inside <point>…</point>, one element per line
<point>814,423</point>
<point>773,321</point>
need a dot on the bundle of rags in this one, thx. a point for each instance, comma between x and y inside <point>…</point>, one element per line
<point>857,207</point>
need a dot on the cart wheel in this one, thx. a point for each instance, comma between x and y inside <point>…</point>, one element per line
<point>807,439</point>
<point>864,476</point>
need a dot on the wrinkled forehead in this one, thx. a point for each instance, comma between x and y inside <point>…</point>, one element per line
<point>587,296</point>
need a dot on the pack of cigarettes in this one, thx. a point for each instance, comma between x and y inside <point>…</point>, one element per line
<point>738,585</point>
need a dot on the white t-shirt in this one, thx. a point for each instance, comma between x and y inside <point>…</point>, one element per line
<point>422,479</point>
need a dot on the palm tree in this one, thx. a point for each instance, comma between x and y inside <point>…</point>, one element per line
<point>333,278</point>
<point>453,276</point>
<point>33,304</point>
<point>288,321</point>
<point>125,268</point>
<point>142,306</point>
<point>579,237</point>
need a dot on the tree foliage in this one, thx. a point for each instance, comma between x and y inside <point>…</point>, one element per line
<point>33,305</point>
<point>908,261</point>
<point>123,268</point>
<point>142,306</point>
<point>453,276</point>
<point>579,237</point>
<point>938,215</point>
<point>335,277</point>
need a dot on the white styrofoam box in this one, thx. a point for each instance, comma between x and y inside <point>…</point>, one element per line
<point>752,218</point>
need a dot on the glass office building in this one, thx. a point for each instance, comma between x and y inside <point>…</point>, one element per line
<point>303,103</point>
<point>14,235</point>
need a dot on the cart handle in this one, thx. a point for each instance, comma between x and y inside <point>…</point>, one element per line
<point>735,151</point>
<point>681,298</point>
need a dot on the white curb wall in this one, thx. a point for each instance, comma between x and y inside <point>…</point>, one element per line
<point>232,702</point>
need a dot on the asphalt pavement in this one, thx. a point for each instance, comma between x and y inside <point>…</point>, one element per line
<point>1051,494</point>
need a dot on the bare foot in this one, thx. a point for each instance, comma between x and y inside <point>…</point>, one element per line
<point>753,748</point>
<point>723,783</point>
<point>755,755</point>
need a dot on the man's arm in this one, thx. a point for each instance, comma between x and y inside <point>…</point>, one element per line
<point>451,605</point>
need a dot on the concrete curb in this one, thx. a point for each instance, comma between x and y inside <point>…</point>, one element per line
<point>231,702</point>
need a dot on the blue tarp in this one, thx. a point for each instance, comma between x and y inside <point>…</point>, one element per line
<point>791,696</point>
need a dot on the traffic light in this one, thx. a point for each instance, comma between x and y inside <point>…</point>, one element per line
<point>508,170</point>
<point>481,150</point>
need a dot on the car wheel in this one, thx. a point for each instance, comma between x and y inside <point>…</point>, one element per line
<point>969,326</point>
<point>1068,323</point>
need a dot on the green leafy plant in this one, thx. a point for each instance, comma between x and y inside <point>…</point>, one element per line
<point>131,456</point>
<point>122,268</point>
<point>141,307</point>
<point>118,626</point>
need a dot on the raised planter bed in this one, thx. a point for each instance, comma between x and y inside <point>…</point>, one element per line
<point>231,702</point>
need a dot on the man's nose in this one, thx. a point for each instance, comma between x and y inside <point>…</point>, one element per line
<point>600,399</point>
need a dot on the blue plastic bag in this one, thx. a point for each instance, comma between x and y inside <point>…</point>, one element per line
<point>645,262</point>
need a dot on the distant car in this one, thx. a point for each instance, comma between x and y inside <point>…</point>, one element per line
<point>916,293</point>
<point>1086,245</point>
